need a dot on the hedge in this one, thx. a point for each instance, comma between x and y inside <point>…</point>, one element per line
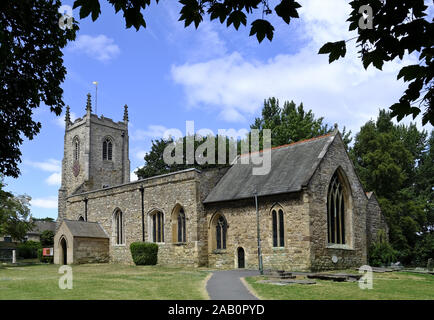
<point>144,253</point>
<point>41,258</point>
<point>28,249</point>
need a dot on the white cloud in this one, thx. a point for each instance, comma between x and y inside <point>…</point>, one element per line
<point>50,165</point>
<point>194,44</point>
<point>54,179</point>
<point>343,92</point>
<point>46,203</point>
<point>153,131</point>
<point>133,176</point>
<point>99,47</point>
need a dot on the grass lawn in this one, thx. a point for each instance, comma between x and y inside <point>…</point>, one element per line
<point>103,281</point>
<point>386,286</point>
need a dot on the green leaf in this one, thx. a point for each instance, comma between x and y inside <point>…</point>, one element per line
<point>237,17</point>
<point>334,49</point>
<point>88,7</point>
<point>287,9</point>
<point>411,72</point>
<point>262,28</point>
<point>191,12</point>
<point>218,10</point>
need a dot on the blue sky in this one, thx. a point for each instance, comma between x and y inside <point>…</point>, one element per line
<point>215,76</point>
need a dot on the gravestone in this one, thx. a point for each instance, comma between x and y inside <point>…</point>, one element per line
<point>430,265</point>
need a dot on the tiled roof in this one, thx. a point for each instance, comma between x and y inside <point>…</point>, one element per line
<point>292,166</point>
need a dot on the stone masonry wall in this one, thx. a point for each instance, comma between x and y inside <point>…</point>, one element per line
<point>207,180</point>
<point>162,193</point>
<point>108,172</point>
<point>91,250</point>
<point>242,232</point>
<point>353,253</point>
<point>375,221</point>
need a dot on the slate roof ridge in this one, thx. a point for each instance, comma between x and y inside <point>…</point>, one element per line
<point>292,170</point>
<point>292,143</point>
<point>323,152</point>
<point>85,232</point>
<point>80,221</point>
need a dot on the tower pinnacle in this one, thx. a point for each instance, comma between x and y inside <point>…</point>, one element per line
<point>67,117</point>
<point>125,113</point>
<point>88,104</point>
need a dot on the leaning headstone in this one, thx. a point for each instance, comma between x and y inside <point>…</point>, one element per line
<point>14,256</point>
<point>430,265</point>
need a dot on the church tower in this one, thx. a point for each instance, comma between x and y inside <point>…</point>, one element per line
<point>95,154</point>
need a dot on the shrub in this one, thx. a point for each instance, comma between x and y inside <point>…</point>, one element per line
<point>381,252</point>
<point>47,238</point>
<point>144,253</point>
<point>44,259</point>
<point>28,249</point>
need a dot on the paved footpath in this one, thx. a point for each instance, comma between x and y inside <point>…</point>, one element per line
<point>227,285</point>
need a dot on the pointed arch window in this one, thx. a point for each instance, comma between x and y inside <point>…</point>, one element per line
<point>107,149</point>
<point>158,227</point>
<point>336,210</point>
<point>221,230</point>
<point>181,226</point>
<point>118,222</point>
<point>278,228</point>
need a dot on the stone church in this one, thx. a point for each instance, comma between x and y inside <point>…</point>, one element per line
<point>313,211</point>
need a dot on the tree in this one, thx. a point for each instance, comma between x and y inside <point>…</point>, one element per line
<point>47,238</point>
<point>398,28</point>
<point>287,125</point>
<point>155,164</point>
<point>31,71</point>
<point>14,214</point>
<point>390,160</point>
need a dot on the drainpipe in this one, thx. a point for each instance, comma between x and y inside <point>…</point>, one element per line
<point>142,191</point>
<point>261,270</point>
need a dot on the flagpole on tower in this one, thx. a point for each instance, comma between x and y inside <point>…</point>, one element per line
<point>96,96</point>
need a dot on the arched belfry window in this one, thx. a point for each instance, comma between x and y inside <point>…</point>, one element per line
<point>118,227</point>
<point>158,226</point>
<point>181,226</point>
<point>221,229</point>
<point>278,228</point>
<point>336,208</point>
<point>76,145</point>
<point>107,149</point>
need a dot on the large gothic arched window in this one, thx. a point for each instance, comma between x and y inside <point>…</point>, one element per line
<point>107,149</point>
<point>336,206</point>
